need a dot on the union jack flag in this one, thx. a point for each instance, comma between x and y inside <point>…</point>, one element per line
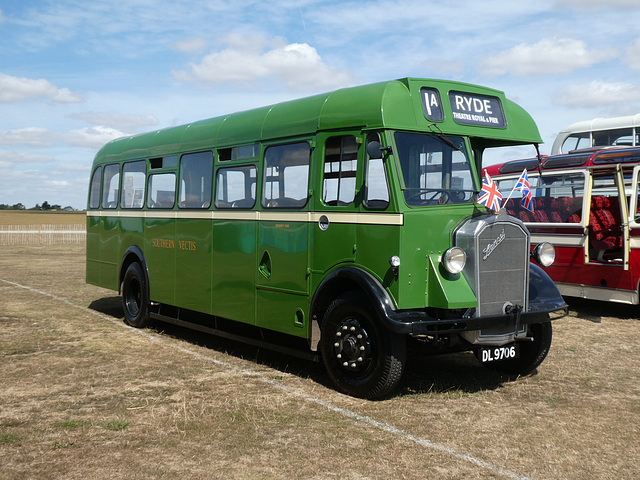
<point>490,196</point>
<point>523,187</point>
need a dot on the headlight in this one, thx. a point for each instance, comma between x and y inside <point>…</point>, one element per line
<point>454,260</point>
<point>544,253</point>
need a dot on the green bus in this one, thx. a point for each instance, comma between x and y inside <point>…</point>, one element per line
<point>342,227</point>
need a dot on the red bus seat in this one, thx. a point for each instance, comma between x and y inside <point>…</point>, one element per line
<point>604,223</point>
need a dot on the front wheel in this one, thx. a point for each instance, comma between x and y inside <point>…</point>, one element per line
<point>135,301</point>
<point>360,356</point>
<point>532,353</point>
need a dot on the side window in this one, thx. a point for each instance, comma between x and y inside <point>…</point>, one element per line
<point>286,176</point>
<point>340,166</point>
<point>376,188</point>
<point>196,172</point>
<point>556,198</point>
<point>134,176</point>
<point>576,141</point>
<point>236,187</point>
<point>110,186</point>
<point>620,136</point>
<point>238,153</point>
<point>170,161</point>
<point>162,190</point>
<point>94,189</point>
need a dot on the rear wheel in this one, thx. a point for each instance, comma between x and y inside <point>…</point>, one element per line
<point>135,301</point>
<point>532,353</point>
<point>361,357</point>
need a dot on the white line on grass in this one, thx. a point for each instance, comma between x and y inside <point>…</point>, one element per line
<point>362,419</point>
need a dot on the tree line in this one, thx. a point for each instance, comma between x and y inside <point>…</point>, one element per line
<point>45,206</point>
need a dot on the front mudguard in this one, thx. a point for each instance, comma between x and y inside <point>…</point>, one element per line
<point>544,296</point>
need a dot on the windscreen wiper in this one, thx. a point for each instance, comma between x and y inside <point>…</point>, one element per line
<point>443,138</point>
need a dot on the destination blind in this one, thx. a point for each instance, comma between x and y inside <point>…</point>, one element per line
<point>480,110</point>
<point>466,108</point>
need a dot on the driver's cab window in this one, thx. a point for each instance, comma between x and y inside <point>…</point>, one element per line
<point>436,169</point>
<point>376,190</point>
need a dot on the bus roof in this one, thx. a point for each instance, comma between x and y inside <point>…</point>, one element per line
<point>595,125</point>
<point>586,158</point>
<point>403,104</point>
<point>603,124</point>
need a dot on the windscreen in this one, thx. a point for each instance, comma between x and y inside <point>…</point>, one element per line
<point>436,169</point>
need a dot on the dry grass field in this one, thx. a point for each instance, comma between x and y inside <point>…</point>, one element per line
<point>36,217</point>
<point>85,397</point>
<point>27,227</point>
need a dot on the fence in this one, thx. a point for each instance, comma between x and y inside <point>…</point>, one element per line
<point>42,234</point>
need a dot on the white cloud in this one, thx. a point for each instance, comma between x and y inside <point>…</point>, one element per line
<point>118,121</point>
<point>59,183</point>
<point>190,45</point>
<point>15,89</point>
<point>249,58</point>
<point>29,136</point>
<point>444,67</point>
<point>547,57</point>
<point>632,55</point>
<point>597,94</point>
<point>83,168</point>
<point>92,137</point>
<point>599,4</point>
<point>10,158</point>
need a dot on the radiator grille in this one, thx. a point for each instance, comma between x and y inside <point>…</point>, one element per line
<point>502,263</point>
<point>497,270</point>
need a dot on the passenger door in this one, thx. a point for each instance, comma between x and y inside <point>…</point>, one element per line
<point>607,226</point>
<point>283,239</point>
<point>334,231</point>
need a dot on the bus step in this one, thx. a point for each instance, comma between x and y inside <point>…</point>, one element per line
<point>312,356</point>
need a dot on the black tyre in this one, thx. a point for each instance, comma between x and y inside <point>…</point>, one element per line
<point>532,353</point>
<point>135,301</point>
<point>361,357</point>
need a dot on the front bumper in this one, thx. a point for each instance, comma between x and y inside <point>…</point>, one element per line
<point>418,322</point>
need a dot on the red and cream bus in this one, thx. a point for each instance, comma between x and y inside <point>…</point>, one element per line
<point>587,204</point>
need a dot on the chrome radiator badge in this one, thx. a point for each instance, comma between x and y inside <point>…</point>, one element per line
<point>488,250</point>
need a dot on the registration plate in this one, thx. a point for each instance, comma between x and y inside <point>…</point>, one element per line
<point>495,354</point>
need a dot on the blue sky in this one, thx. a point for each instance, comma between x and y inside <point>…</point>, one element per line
<point>75,74</point>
